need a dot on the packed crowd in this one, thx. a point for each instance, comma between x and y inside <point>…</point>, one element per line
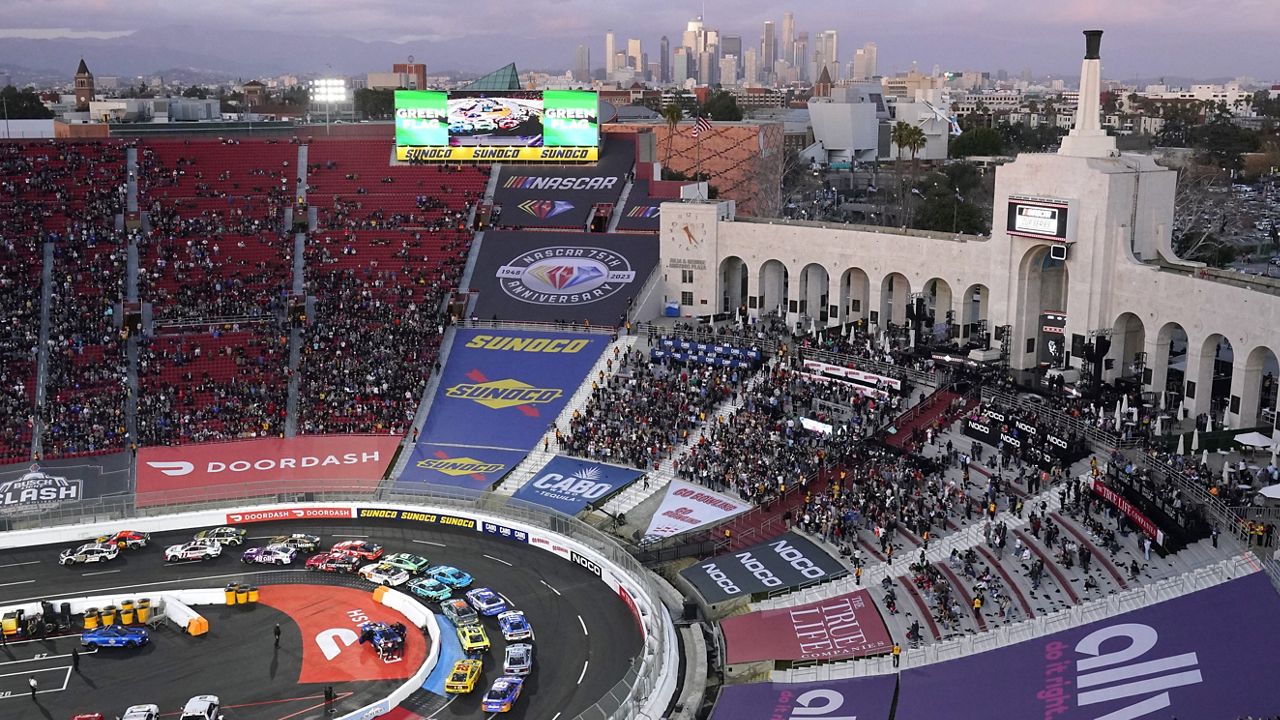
<point>19,338</point>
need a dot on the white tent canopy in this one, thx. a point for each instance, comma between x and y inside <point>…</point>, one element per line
<point>1254,439</point>
<point>1271,491</point>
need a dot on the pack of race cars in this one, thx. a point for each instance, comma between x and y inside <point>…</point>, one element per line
<point>428,582</point>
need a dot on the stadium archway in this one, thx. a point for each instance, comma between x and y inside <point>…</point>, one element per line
<point>1042,295</point>
<point>1167,359</point>
<point>734,285</point>
<point>815,295</point>
<point>938,302</point>
<point>1255,388</point>
<point>974,306</point>
<point>895,290</point>
<point>1213,376</point>
<point>774,290</point>
<point>1128,344</point>
<point>855,295</point>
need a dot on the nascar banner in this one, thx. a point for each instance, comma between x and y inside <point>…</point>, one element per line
<point>488,154</point>
<point>688,507</point>
<point>864,698</point>
<point>572,277</point>
<point>570,484</point>
<point>641,212</point>
<point>563,196</point>
<point>846,626</point>
<point>475,468</point>
<point>30,487</point>
<point>214,471</point>
<point>784,563</point>
<point>1209,654</point>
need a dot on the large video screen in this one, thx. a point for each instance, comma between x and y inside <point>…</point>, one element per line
<point>555,126</point>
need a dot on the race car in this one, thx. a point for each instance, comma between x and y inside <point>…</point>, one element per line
<point>125,539</point>
<point>518,660</point>
<point>141,712</point>
<point>514,626</point>
<point>115,636</point>
<point>360,548</point>
<point>224,535</point>
<point>384,574</point>
<point>483,124</point>
<point>462,679</point>
<point>270,555</point>
<point>502,694</point>
<point>459,612</point>
<point>460,127</point>
<point>410,563</point>
<point>430,588</point>
<point>473,638</point>
<point>508,123</point>
<point>333,561</point>
<point>298,541</point>
<point>449,575</point>
<point>89,553</point>
<point>486,602</point>
<point>195,550</point>
<point>386,639</point>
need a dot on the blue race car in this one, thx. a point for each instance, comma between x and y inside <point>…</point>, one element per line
<point>514,626</point>
<point>502,694</point>
<point>449,575</point>
<point>387,639</point>
<point>115,636</point>
<point>486,602</point>
<point>430,588</point>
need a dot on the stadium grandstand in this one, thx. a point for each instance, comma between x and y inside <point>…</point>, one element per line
<point>854,490</point>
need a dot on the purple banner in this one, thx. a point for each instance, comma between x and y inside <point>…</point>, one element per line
<point>864,698</point>
<point>1210,655</point>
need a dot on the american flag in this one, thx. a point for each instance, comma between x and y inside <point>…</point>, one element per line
<point>701,125</point>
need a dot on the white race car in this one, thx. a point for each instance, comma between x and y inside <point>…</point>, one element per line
<point>384,574</point>
<point>194,550</point>
<point>270,555</point>
<point>88,553</point>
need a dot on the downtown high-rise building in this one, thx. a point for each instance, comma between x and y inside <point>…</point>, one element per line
<point>768,46</point>
<point>694,37</point>
<point>801,61</point>
<point>732,45</point>
<point>728,69</point>
<point>681,66</point>
<point>789,37</point>
<point>634,55</point>
<point>826,54</point>
<point>609,52</point>
<point>750,67</point>
<point>864,62</point>
<point>582,64</point>
<point>664,62</point>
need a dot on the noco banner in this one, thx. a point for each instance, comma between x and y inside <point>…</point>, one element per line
<point>863,698</point>
<point>38,486</point>
<point>570,484</point>
<point>688,507</point>
<point>783,563</point>
<point>846,626</point>
<point>498,394</point>
<point>561,126</point>
<point>1209,654</point>
<point>215,470</point>
<point>574,277</point>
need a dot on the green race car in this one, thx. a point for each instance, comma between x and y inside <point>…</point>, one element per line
<point>410,563</point>
<point>430,588</point>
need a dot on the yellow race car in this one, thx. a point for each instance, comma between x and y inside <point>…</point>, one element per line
<point>473,638</point>
<point>464,676</point>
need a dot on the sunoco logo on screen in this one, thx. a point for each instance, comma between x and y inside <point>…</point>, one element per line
<point>565,275</point>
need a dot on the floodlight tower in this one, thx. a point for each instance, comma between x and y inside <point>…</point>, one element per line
<point>328,91</point>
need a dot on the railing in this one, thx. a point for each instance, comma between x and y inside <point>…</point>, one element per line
<point>1160,470</point>
<point>1097,436</point>
<point>537,326</point>
<point>919,377</point>
<point>203,322</point>
<point>767,347</point>
<point>622,701</point>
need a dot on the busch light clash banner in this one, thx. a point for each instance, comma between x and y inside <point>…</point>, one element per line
<point>861,698</point>
<point>550,277</point>
<point>1211,654</point>
<point>570,484</point>
<point>784,563</point>
<point>37,486</point>
<point>687,506</point>
<point>499,394</point>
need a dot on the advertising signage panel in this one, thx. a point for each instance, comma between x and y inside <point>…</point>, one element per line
<point>555,126</point>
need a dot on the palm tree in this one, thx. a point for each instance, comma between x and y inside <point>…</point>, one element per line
<point>672,114</point>
<point>900,136</point>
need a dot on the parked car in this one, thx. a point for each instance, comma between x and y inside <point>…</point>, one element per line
<point>125,636</point>
<point>202,707</point>
<point>141,712</point>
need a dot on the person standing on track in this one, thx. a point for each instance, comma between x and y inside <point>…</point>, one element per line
<point>32,682</point>
<point>276,632</point>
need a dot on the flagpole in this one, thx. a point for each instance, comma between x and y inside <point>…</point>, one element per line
<point>697,176</point>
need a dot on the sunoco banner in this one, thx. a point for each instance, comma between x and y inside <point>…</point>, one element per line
<point>570,484</point>
<point>783,563</point>
<point>466,467</point>
<point>1211,654</point>
<point>837,628</point>
<point>36,486</point>
<point>688,507</point>
<point>862,698</point>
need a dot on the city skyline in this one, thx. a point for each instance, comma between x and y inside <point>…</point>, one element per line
<point>1147,38</point>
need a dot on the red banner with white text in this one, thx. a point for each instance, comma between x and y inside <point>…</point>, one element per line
<point>846,626</point>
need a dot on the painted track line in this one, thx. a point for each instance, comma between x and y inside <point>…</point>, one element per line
<point>20,564</point>
<point>433,715</point>
<point>504,562</point>
<point>100,572</point>
<point>351,536</point>
<point>17,582</point>
<point>428,542</point>
<point>549,586</point>
<point>584,625</point>
<point>584,670</point>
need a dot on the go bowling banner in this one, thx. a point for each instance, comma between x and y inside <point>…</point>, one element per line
<point>689,507</point>
<point>1210,654</point>
<point>570,484</point>
<point>863,698</point>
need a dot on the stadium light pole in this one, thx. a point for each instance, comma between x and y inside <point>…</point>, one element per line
<point>328,91</point>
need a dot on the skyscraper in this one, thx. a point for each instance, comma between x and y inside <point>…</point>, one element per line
<point>864,62</point>
<point>609,51</point>
<point>768,46</point>
<point>728,70</point>
<point>694,38</point>
<point>789,37</point>
<point>633,55</point>
<point>582,64</point>
<point>801,61</point>
<point>680,65</point>
<point>664,63</point>
<point>826,54</point>
<point>750,68</point>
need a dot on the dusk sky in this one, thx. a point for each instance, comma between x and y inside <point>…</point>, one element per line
<point>1199,38</point>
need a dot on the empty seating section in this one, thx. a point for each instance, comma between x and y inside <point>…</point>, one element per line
<point>214,384</point>
<point>391,247</point>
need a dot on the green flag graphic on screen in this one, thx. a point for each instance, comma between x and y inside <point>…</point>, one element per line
<point>422,118</point>
<point>570,118</point>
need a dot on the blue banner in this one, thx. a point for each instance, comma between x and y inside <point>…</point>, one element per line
<point>570,484</point>
<point>465,467</point>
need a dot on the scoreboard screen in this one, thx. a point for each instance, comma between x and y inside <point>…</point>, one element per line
<point>553,126</point>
